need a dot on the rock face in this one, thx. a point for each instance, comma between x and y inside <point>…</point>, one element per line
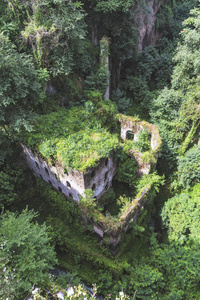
<point>145,18</point>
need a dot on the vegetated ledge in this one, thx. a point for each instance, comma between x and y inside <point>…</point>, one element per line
<point>68,137</point>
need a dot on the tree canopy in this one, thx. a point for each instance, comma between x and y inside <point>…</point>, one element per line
<point>19,87</point>
<point>25,256</point>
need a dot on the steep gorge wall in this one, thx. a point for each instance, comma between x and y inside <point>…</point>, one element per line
<point>145,18</point>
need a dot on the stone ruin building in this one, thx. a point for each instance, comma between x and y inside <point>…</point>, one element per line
<point>74,184</point>
<point>99,179</point>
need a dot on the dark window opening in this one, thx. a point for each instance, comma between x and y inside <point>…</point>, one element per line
<point>68,184</point>
<point>60,190</point>
<point>92,174</point>
<point>106,161</point>
<point>94,186</point>
<point>130,135</point>
<point>106,176</point>
<point>46,170</point>
<point>37,164</point>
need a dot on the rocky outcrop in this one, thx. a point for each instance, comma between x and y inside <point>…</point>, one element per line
<point>145,18</point>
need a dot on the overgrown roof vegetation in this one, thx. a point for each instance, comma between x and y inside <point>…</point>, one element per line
<point>80,136</point>
<point>77,137</point>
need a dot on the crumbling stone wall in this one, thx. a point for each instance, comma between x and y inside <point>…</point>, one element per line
<point>130,124</point>
<point>113,227</point>
<point>99,178</point>
<point>74,183</point>
<point>71,184</point>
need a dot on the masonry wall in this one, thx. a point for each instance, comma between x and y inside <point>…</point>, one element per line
<point>99,178</point>
<point>135,128</point>
<point>71,184</point>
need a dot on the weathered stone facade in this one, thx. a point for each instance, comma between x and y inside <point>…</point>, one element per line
<point>74,184</point>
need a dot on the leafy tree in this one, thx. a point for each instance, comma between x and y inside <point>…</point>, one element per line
<point>147,281</point>
<point>54,32</point>
<point>189,167</point>
<point>25,255</point>
<point>165,108</point>
<point>6,147</point>
<point>180,268</point>
<point>164,111</point>
<point>186,72</point>
<point>127,170</point>
<point>113,5</point>
<point>120,99</point>
<point>14,14</point>
<point>180,215</point>
<point>19,88</point>
<point>7,190</point>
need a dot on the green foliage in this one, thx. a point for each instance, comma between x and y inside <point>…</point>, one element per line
<point>109,6</point>
<point>176,110</point>
<point>189,138</point>
<point>127,170</point>
<point>153,180</point>
<point>88,200</point>
<point>8,181</point>
<point>54,31</point>
<point>14,14</point>
<point>169,19</point>
<point>25,253</point>
<point>80,151</point>
<point>187,122</point>
<point>147,281</point>
<point>97,80</point>
<point>180,216</point>
<point>100,79</point>
<point>20,88</point>
<point>120,99</point>
<point>152,70</point>
<point>6,147</point>
<point>107,198</point>
<point>143,142</point>
<point>186,72</point>
<point>189,167</point>
<point>74,137</point>
<point>179,266</point>
<point>165,108</point>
